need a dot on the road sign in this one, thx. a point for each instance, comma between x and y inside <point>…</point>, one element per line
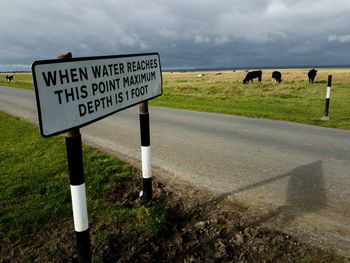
<point>73,93</point>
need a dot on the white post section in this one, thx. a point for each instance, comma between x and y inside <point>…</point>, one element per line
<point>80,215</point>
<point>328,95</point>
<point>146,162</point>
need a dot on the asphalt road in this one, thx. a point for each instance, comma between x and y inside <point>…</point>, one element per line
<point>294,177</point>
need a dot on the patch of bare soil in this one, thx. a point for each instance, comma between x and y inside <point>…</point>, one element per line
<point>206,228</point>
<point>201,228</point>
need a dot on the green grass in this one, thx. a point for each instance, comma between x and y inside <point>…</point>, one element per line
<point>293,100</point>
<point>35,192</point>
<point>33,178</point>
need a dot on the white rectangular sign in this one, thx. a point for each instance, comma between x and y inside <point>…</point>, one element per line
<point>73,93</point>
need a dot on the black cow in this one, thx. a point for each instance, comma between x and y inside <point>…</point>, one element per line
<point>252,75</point>
<point>277,76</point>
<point>9,78</point>
<point>312,74</point>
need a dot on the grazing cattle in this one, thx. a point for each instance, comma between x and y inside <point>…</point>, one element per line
<point>312,74</point>
<point>9,77</point>
<point>252,75</point>
<point>277,76</point>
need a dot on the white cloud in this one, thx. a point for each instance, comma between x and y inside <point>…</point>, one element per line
<point>221,40</point>
<point>340,38</point>
<point>276,8</point>
<point>168,33</point>
<point>201,39</point>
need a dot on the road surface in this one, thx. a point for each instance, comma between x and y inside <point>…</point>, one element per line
<point>296,177</point>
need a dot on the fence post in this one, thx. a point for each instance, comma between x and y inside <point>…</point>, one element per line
<point>328,95</point>
<point>146,154</point>
<point>77,186</point>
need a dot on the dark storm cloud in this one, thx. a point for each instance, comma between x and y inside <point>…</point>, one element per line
<point>225,33</point>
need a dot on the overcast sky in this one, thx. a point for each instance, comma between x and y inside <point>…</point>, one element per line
<point>187,34</point>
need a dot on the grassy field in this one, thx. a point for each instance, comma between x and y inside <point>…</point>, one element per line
<point>35,204</point>
<point>293,100</point>
<point>21,80</point>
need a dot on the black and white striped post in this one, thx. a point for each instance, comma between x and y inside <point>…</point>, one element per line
<point>146,154</point>
<point>77,187</point>
<point>328,95</point>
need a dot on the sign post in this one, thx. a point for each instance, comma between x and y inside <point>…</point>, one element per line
<point>328,96</point>
<point>77,186</point>
<point>74,92</point>
<point>146,154</point>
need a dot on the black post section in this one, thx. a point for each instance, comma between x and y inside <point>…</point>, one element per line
<point>146,154</point>
<point>75,157</point>
<point>328,95</point>
<point>147,191</point>
<point>83,246</point>
<point>326,112</point>
<point>329,83</point>
<point>65,56</point>
<point>144,129</point>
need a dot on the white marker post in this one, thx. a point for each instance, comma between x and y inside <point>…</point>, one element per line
<point>328,95</point>
<point>146,154</point>
<point>77,187</point>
